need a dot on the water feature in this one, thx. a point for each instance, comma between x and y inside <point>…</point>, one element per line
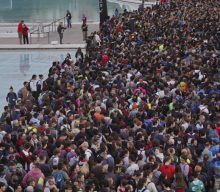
<point>18,66</point>
<point>47,10</point>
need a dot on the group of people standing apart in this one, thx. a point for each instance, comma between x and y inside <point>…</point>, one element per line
<point>23,29</point>
<point>23,33</point>
<point>61,28</point>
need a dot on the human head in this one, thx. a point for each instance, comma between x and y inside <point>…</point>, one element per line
<point>34,77</point>
<point>11,89</point>
<point>2,187</point>
<point>41,76</point>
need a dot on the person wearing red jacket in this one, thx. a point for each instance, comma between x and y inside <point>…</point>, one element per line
<point>105,59</point>
<point>20,30</point>
<point>119,27</point>
<point>162,1</point>
<point>217,129</point>
<point>25,156</point>
<point>25,33</point>
<point>168,169</point>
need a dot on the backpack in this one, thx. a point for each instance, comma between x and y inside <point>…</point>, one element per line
<point>59,179</point>
<point>20,93</point>
<point>197,187</point>
<point>217,168</point>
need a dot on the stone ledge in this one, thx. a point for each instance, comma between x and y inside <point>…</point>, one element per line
<point>41,46</point>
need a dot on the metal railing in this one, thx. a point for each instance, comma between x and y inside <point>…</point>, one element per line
<point>46,29</point>
<point>35,31</point>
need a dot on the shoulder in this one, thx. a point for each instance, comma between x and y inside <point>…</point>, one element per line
<point>150,185</point>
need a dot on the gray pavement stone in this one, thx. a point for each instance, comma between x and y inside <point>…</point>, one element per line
<point>71,36</point>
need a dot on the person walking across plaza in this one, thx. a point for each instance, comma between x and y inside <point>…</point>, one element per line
<point>84,28</point>
<point>25,33</point>
<point>68,19</point>
<point>20,30</point>
<point>60,31</point>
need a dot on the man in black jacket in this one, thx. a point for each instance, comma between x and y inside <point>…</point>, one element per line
<point>60,31</point>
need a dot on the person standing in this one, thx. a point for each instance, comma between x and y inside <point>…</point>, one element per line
<point>84,19</point>
<point>40,84</point>
<point>11,98</point>
<point>33,87</point>
<point>25,33</point>
<point>60,30</point>
<point>20,30</point>
<point>68,19</point>
<point>84,31</point>
<point>79,55</point>
<point>116,12</point>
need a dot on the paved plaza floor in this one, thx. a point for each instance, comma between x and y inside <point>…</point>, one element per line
<point>71,36</point>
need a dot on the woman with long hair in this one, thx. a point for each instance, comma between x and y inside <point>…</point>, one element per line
<point>142,185</point>
<point>179,183</point>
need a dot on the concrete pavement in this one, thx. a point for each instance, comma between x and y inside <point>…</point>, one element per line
<point>72,39</point>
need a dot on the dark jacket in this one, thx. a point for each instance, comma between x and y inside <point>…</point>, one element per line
<point>11,98</point>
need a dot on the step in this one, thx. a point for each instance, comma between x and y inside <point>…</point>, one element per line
<point>15,34</point>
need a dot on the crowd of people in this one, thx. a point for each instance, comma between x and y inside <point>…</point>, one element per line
<point>139,112</point>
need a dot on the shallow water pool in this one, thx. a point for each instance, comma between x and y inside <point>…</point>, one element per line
<point>18,66</point>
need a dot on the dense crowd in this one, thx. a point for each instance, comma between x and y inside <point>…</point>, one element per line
<point>138,112</point>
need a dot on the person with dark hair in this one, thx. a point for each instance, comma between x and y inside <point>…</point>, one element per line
<point>84,28</point>
<point>142,185</point>
<point>179,183</point>
<point>79,55</point>
<point>60,31</point>
<point>60,176</point>
<point>11,98</point>
<point>2,187</point>
<point>25,156</point>
<point>167,186</point>
<point>33,87</point>
<point>133,165</point>
<point>196,184</point>
<point>25,33</point>
<point>68,19</point>
<point>121,187</point>
<point>148,174</point>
